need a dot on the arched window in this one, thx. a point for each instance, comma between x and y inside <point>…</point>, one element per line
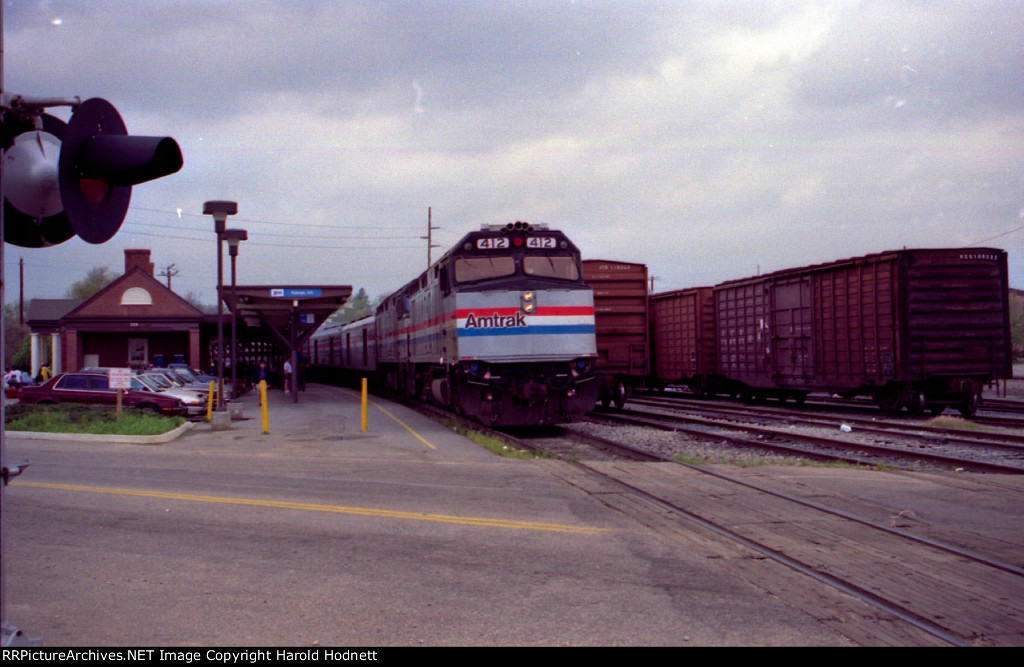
<point>136,296</point>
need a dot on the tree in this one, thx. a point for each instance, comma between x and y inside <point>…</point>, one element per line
<point>196,302</point>
<point>97,278</point>
<point>15,335</point>
<point>357,307</point>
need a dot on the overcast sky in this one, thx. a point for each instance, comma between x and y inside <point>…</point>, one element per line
<point>709,140</point>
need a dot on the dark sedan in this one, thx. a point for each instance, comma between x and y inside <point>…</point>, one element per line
<point>94,389</point>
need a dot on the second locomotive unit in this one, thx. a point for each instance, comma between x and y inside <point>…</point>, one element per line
<point>501,329</point>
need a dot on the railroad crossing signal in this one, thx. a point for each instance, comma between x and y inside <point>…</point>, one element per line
<point>75,178</point>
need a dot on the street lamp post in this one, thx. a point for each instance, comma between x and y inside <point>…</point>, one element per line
<point>220,210</point>
<point>234,237</point>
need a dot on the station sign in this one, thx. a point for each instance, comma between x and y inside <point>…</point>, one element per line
<point>120,378</point>
<point>295,292</point>
<point>307,318</point>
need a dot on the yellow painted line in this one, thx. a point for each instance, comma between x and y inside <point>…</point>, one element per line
<point>403,424</point>
<point>415,434</point>
<point>360,511</point>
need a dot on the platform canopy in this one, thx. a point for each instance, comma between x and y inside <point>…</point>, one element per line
<point>292,312</point>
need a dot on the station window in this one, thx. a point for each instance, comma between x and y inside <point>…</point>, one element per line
<point>136,296</point>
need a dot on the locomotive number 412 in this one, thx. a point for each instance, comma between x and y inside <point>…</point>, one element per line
<point>502,243</point>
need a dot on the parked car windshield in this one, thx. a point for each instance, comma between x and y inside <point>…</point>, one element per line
<point>185,374</point>
<point>159,380</point>
<point>141,383</point>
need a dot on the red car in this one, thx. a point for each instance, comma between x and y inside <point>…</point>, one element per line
<point>94,389</point>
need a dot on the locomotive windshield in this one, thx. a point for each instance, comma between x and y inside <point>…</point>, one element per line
<point>472,269</point>
<point>517,249</point>
<point>550,266</point>
<point>475,269</point>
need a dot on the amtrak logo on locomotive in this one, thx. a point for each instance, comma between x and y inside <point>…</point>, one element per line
<point>496,321</point>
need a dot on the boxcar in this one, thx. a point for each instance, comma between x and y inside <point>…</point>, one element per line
<point>921,329</point>
<point>620,314</point>
<point>683,340</point>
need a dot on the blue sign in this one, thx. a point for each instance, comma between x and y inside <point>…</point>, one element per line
<point>293,293</point>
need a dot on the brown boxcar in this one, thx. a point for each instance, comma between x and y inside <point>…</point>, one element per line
<point>620,314</point>
<point>683,339</point>
<point>922,329</point>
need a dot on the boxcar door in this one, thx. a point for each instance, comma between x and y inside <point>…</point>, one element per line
<point>791,355</point>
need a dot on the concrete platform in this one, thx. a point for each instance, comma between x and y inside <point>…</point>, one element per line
<point>319,534</point>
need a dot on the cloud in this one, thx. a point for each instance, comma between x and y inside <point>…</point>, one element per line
<point>704,138</point>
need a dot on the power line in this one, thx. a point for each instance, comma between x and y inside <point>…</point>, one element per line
<point>262,234</point>
<point>998,236</point>
<point>179,213</point>
<point>253,242</point>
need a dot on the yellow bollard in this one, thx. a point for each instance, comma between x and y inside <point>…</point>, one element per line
<point>209,402</point>
<point>263,404</point>
<point>364,405</point>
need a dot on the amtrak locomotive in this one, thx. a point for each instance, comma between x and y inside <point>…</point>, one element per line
<point>501,329</point>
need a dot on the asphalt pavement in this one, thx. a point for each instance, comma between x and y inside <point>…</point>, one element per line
<point>321,534</point>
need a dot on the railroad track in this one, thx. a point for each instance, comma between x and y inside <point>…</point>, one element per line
<point>835,437</point>
<point>1004,429</point>
<point>921,590</point>
<point>881,576</point>
<point>992,409</point>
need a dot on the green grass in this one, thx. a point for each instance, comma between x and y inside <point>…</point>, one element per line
<point>948,421</point>
<point>84,419</point>
<point>494,444</point>
<point>784,461</point>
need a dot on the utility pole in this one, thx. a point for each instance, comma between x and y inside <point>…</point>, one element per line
<point>169,273</point>
<point>429,236</point>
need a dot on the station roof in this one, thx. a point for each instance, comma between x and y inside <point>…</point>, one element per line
<point>278,306</point>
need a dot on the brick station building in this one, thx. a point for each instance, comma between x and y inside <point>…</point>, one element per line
<point>134,321</point>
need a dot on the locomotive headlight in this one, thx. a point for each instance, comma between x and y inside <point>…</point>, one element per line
<point>528,302</point>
